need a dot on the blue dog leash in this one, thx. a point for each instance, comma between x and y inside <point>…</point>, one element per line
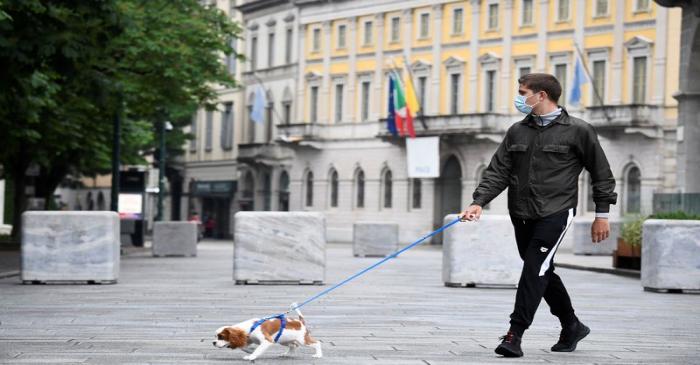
<point>281,316</point>
<point>283,324</point>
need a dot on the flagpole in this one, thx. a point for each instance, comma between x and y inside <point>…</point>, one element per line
<point>595,90</point>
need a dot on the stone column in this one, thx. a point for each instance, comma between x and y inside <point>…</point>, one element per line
<point>474,56</point>
<point>324,94</point>
<point>376,100</point>
<point>617,52</point>
<point>408,34</point>
<point>659,89</point>
<point>541,62</point>
<point>301,80</point>
<point>506,84</point>
<point>349,101</point>
<point>434,104</point>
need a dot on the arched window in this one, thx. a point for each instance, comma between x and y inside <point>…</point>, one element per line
<point>284,192</point>
<point>334,188</point>
<point>633,182</point>
<point>417,193</point>
<point>248,186</point>
<point>101,201</point>
<point>387,181</point>
<point>309,189</point>
<point>360,189</point>
<point>90,203</point>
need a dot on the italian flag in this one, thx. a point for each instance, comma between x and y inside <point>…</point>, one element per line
<point>402,112</point>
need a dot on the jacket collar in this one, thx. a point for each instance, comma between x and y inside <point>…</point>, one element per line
<point>563,118</point>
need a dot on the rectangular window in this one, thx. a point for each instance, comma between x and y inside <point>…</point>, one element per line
<point>365,101</point>
<point>253,53</point>
<point>422,87</point>
<point>527,13</point>
<point>560,74</point>
<point>395,29</point>
<point>338,103</point>
<point>524,71</point>
<point>209,130</point>
<point>227,127</point>
<point>601,7</point>
<point>424,25</point>
<point>314,104</point>
<point>316,40</point>
<point>287,113</point>
<point>639,81</point>
<point>563,10</point>
<point>193,132</point>
<point>251,126</point>
<point>269,122</point>
<point>270,49</point>
<point>231,61</point>
<point>290,45</point>
<point>493,16</point>
<point>417,194</point>
<point>599,82</point>
<point>642,5</point>
<point>341,36</point>
<point>490,90</point>
<point>367,34</point>
<point>454,93</point>
<point>458,21</point>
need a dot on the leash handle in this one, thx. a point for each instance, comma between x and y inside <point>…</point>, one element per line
<point>361,272</point>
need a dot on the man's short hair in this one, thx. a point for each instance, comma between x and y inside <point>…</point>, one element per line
<point>542,82</point>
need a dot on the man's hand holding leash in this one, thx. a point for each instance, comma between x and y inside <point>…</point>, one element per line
<point>471,214</point>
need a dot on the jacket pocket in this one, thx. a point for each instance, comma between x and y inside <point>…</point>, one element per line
<point>517,148</point>
<point>556,148</point>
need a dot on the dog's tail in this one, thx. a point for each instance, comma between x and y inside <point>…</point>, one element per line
<point>301,317</point>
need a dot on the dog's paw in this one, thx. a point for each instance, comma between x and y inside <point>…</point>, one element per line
<point>317,356</point>
<point>249,358</point>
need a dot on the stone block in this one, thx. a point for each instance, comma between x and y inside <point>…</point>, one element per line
<point>482,253</point>
<point>279,248</point>
<point>64,247</point>
<point>175,239</point>
<point>375,238</point>
<point>582,237</point>
<point>671,254</point>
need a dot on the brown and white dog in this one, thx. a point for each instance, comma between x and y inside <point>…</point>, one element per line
<point>257,342</point>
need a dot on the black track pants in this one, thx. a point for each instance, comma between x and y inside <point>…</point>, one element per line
<point>538,241</point>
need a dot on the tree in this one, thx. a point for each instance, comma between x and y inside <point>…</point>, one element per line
<point>69,62</point>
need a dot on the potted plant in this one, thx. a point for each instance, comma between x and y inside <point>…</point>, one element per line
<point>629,245</point>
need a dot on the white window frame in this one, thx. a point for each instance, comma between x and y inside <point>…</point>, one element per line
<point>489,62</point>
<point>422,69</point>
<point>344,44</point>
<point>316,46</point>
<point>639,47</point>
<point>361,79</point>
<point>488,16</point>
<point>596,11</point>
<point>393,39</point>
<point>367,41</point>
<point>336,81</point>
<point>595,56</point>
<point>455,66</point>
<point>420,26</point>
<point>522,14</point>
<point>568,12</point>
<point>461,21</point>
<point>637,9</point>
<point>562,58</point>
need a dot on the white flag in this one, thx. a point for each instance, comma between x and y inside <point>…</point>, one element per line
<point>423,156</point>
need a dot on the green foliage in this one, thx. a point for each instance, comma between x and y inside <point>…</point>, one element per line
<point>676,215</point>
<point>69,66</point>
<point>632,231</point>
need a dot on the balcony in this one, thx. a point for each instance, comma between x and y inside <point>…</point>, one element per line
<point>632,118</point>
<point>265,153</point>
<point>303,133</point>
<point>479,125</point>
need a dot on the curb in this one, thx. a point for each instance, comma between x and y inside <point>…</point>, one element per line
<point>619,272</point>
<point>8,274</point>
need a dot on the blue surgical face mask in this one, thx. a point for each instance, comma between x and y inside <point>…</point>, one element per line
<point>522,106</point>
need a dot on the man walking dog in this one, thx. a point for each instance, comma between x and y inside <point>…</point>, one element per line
<point>539,161</point>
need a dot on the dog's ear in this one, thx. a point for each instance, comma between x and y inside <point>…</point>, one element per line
<point>236,337</point>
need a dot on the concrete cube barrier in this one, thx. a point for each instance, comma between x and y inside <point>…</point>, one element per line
<point>375,238</point>
<point>279,248</point>
<point>70,247</point>
<point>582,238</point>
<point>482,253</point>
<point>671,255</point>
<point>174,239</point>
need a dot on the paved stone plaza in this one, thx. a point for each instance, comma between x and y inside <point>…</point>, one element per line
<point>165,310</point>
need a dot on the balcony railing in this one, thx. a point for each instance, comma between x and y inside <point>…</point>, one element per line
<point>632,115</point>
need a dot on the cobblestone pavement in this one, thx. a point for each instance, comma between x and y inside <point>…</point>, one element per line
<point>165,310</point>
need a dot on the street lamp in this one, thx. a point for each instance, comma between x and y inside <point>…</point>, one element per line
<point>164,126</point>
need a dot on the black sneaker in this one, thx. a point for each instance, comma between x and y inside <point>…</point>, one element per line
<point>570,336</point>
<point>510,346</point>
